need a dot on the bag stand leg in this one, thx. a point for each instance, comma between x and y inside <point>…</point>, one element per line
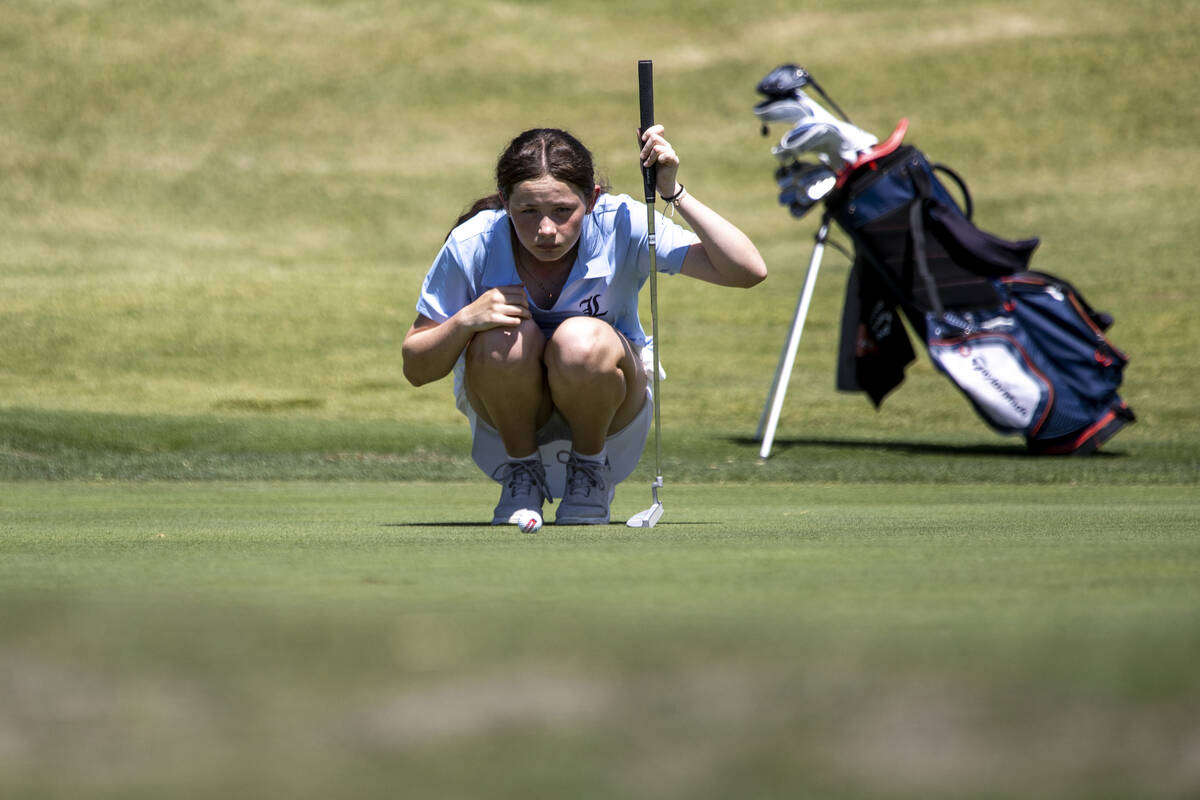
<point>783,373</point>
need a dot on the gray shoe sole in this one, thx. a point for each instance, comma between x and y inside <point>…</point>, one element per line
<point>560,520</point>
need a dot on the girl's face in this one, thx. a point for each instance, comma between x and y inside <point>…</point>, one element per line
<point>547,215</point>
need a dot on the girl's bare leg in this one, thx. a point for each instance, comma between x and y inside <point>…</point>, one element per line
<point>506,384</point>
<point>596,380</point>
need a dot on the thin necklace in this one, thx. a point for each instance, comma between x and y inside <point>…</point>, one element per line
<point>519,253</point>
<point>520,263</point>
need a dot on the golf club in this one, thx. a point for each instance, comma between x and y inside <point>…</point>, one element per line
<point>802,185</point>
<point>819,138</point>
<point>651,516</point>
<point>789,80</point>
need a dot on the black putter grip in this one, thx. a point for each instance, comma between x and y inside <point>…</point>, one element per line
<point>646,103</point>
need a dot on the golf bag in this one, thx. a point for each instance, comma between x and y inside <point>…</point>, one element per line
<point>1024,347</point>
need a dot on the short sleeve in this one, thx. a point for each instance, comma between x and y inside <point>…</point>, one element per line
<point>672,242</point>
<point>447,288</point>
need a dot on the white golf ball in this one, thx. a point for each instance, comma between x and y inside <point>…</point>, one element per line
<point>528,520</point>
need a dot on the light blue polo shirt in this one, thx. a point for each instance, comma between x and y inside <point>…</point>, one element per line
<point>612,264</point>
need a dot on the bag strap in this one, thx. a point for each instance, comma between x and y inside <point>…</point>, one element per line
<point>968,205</point>
<point>916,225</point>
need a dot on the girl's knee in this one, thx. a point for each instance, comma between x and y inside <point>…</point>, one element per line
<point>584,343</point>
<point>507,348</point>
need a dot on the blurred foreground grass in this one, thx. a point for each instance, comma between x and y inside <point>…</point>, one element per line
<point>349,639</point>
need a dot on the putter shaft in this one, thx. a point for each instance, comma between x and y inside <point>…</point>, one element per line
<point>658,470</point>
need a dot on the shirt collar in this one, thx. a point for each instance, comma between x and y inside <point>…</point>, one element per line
<point>593,256</point>
<point>500,269</point>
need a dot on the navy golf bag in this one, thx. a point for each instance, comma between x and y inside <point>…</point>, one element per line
<point>1024,347</point>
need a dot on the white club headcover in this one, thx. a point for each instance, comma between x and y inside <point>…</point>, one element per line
<point>835,141</point>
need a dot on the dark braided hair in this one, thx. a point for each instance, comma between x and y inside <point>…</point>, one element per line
<point>534,154</point>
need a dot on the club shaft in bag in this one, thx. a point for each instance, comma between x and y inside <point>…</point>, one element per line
<point>783,372</point>
<point>649,517</point>
<point>828,99</point>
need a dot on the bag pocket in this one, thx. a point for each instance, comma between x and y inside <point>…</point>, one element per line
<point>991,367</point>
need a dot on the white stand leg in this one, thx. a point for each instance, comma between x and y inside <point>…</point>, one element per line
<point>783,373</point>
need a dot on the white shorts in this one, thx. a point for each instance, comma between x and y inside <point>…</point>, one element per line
<point>624,447</point>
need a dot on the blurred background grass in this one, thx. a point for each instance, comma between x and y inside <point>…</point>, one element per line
<point>215,216</point>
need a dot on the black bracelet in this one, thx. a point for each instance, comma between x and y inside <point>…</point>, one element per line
<point>675,198</point>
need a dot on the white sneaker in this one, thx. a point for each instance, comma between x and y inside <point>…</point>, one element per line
<point>588,495</point>
<point>523,489</point>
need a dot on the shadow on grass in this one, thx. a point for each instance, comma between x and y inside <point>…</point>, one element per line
<point>928,448</point>
<point>436,525</point>
<point>613,524</point>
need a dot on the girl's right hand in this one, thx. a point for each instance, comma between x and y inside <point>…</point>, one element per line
<point>500,307</point>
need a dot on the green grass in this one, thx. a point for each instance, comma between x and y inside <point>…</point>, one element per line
<point>216,209</point>
<point>240,556</point>
<point>767,640</point>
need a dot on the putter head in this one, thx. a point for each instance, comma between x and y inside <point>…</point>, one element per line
<point>648,518</point>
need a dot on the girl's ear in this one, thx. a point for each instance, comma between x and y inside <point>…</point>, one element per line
<point>596,192</point>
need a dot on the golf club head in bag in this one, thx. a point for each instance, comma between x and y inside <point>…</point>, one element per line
<point>784,80</point>
<point>788,81</point>
<point>796,107</point>
<point>802,185</point>
<point>836,142</point>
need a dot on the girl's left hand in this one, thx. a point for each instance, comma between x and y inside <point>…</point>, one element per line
<point>658,152</point>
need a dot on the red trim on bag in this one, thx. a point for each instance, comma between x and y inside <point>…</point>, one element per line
<point>1098,426</point>
<point>877,152</point>
<point>1083,315</point>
